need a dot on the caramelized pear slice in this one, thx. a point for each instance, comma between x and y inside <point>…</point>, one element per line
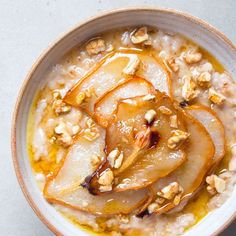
<point>190,175</point>
<point>112,70</point>
<point>213,125</point>
<point>154,70</point>
<point>106,75</point>
<point>106,105</point>
<point>64,186</point>
<point>146,156</point>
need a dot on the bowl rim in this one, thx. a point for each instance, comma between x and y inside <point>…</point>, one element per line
<point>106,13</point>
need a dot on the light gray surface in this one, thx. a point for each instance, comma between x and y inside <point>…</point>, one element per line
<point>26,28</point>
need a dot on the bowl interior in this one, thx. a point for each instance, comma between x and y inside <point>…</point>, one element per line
<point>199,32</point>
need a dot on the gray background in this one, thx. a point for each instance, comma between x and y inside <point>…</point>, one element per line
<point>26,28</point>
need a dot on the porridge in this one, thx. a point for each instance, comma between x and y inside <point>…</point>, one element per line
<point>133,134</point>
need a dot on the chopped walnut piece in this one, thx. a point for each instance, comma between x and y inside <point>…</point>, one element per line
<point>60,107</point>
<point>150,116</point>
<point>164,110</point>
<point>177,199</point>
<point>106,180</point>
<point>192,57</point>
<point>153,207</point>
<point>173,121</point>
<point>112,156</point>
<point>91,132</point>
<point>132,66</point>
<point>177,137</point>
<point>63,138</point>
<point>160,200</point>
<point>215,97</point>
<point>170,191</point>
<point>204,80</point>
<point>60,129</point>
<point>80,98</point>
<point>173,66</point>
<point>75,129</point>
<point>119,160</point>
<point>90,135</point>
<point>189,91</point>
<point>139,36</point>
<point>123,219</point>
<point>95,46</point>
<point>215,184</point>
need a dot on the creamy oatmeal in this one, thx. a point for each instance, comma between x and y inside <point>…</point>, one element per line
<point>133,133</point>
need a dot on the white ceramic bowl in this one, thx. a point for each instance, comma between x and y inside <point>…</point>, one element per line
<point>197,30</point>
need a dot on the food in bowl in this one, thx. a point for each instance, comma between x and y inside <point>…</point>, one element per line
<point>133,133</point>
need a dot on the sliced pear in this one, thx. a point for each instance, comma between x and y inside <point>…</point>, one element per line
<point>146,156</point>
<point>111,71</point>
<point>154,70</point>
<point>106,105</point>
<point>106,75</point>
<point>213,125</point>
<point>64,186</point>
<point>190,175</point>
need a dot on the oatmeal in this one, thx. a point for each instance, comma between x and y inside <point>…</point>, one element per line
<point>133,134</point>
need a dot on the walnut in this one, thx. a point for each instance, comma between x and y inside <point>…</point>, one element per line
<point>215,184</point>
<point>80,98</point>
<point>106,180</point>
<point>153,207</point>
<point>124,219</point>
<point>164,110</point>
<point>60,107</point>
<point>91,132</point>
<point>192,57</point>
<point>189,91</point>
<point>65,140</point>
<point>139,36</point>
<point>112,156</point>
<point>204,80</point>
<point>95,46</point>
<point>150,116</point>
<point>215,97</point>
<point>173,66</point>
<point>119,160</point>
<point>170,191</point>
<point>177,137</point>
<point>62,138</point>
<point>132,66</point>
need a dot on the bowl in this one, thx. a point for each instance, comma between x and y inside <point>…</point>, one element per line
<point>171,20</point>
